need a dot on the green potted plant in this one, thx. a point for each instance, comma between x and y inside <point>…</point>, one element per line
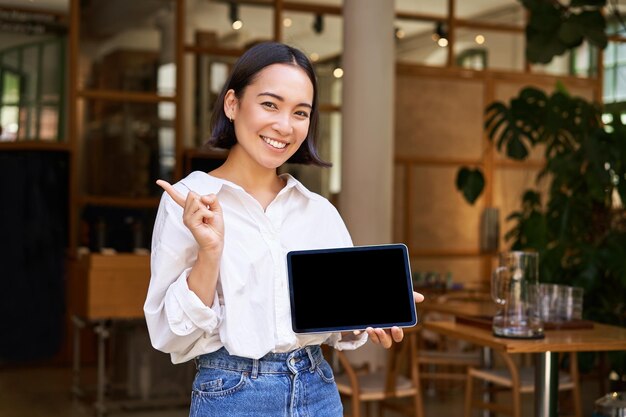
<point>580,230</point>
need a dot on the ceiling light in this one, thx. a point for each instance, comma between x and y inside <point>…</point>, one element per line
<point>314,56</point>
<point>338,72</point>
<point>479,39</point>
<point>287,22</point>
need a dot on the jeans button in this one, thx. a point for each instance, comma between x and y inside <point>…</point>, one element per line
<point>292,361</point>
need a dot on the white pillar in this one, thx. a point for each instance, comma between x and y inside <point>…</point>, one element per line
<point>368,120</point>
<point>367,110</point>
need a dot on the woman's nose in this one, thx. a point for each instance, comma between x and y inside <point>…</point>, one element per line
<point>283,125</point>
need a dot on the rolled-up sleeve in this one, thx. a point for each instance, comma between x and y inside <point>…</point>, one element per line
<point>175,315</point>
<point>185,311</point>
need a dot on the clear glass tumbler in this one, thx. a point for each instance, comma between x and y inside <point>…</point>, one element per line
<point>514,288</point>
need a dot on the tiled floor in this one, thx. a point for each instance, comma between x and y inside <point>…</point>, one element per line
<point>46,392</point>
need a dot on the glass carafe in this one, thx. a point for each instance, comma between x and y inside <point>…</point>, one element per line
<point>514,287</point>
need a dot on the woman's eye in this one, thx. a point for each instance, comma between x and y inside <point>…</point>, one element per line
<point>269,104</point>
<point>302,114</point>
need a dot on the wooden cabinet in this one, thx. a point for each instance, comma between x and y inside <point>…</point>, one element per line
<point>109,286</point>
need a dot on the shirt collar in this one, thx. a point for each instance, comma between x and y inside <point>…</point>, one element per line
<point>294,183</point>
<point>203,184</point>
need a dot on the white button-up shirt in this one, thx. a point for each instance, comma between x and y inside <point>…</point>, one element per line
<point>250,315</point>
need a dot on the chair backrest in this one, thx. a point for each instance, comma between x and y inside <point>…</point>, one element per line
<point>399,379</point>
<point>520,380</point>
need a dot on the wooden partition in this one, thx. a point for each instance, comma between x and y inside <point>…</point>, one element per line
<point>439,128</point>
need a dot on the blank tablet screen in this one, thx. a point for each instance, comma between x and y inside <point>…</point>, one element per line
<point>350,288</point>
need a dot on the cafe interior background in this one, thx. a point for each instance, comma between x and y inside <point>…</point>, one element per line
<point>99,98</point>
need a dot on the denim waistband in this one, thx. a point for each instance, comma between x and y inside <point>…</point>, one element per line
<point>306,358</point>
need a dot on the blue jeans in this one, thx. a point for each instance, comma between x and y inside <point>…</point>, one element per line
<point>294,384</point>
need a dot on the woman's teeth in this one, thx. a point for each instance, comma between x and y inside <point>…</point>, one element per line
<point>274,143</point>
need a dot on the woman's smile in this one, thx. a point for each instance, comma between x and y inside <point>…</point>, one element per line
<point>274,143</point>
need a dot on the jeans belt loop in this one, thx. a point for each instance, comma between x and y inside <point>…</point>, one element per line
<point>255,368</point>
<point>311,358</point>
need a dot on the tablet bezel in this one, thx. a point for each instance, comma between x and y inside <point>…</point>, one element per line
<point>355,326</point>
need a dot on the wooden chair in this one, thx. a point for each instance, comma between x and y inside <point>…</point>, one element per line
<point>444,361</point>
<point>396,387</point>
<point>520,380</point>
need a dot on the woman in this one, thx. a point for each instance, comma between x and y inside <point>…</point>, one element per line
<point>218,292</point>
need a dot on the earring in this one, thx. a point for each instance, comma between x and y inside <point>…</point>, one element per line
<point>230,118</point>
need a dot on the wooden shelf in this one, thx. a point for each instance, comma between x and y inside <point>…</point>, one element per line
<point>126,202</point>
<point>35,145</point>
<point>125,96</point>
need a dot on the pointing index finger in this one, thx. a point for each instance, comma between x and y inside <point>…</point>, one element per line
<point>169,189</point>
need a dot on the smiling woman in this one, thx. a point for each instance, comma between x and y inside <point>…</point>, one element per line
<point>218,291</point>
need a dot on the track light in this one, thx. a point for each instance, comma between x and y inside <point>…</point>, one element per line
<point>318,24</point>
<point>233,12</point>
<point>440,35</point>
<point>440,32</point>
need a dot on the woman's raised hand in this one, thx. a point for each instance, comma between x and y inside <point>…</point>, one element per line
<point>202,215</point>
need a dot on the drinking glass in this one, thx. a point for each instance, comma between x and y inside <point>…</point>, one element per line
<point>514,287</point>
<point>570,302</point>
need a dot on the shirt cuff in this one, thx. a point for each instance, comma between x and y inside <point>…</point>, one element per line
<point>354,343</point>
<point>186,312</point>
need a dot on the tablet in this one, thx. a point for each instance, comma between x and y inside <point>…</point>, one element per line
<point>341,289</point>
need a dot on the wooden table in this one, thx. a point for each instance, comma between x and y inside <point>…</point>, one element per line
<point>600,338</point>
<point>458,306</point>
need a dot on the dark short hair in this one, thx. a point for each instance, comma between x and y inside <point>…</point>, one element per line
<point>243,74</point>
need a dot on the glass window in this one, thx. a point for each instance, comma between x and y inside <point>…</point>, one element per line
<point>11,87</point>
<point>31,88</point>
<point>126,148</point>
<point>504,50</point>
<point>211,73</point>
<point>497,12</point>
<point>431,7</point>
<point>472,58</point>
<point>319,36</point>
<point>123,47</point>
<point>421,42</point>
<point>51,71</point>
<point>614,88</point>
<point>30,67</point>
<point>9,122</point>
<point>584,61</point>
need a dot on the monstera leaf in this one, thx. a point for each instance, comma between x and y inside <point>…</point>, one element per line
<point>518,126</point>
<point>554,27</point>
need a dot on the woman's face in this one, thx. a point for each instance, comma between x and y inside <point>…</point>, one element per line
<point>273,115</point>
